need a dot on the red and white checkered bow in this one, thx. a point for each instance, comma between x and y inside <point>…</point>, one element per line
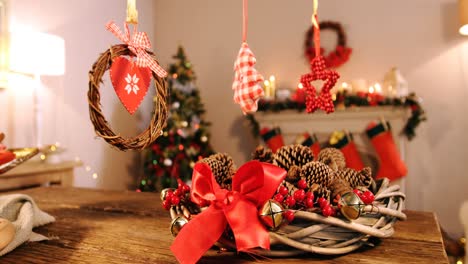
<point>138,44</point>
<point>246,85</point>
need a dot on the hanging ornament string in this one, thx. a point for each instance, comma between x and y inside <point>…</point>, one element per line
<point>324,99</point>
<point>246,85</point>
<point>245,20</point>
<point>317,29</point>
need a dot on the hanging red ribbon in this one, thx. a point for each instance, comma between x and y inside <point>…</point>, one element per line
<point>138,44</point>
<point>252,185</point>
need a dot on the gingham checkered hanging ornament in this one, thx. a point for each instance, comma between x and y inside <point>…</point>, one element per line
<point>318,69</point>
<point>246,86</point>
<point>247,81</point>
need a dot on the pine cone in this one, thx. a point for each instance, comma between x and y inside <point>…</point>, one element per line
<point>223,168</point>
<point>322,192</point>
<point>355,178</point>
<point>317,172</point>
<point>290,155</point>
<point>263,154</point>
<point>294,174</point>
<point>333,157</point>
<point>340,187</point>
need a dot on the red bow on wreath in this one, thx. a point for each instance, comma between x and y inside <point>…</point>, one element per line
<point>252,185</point>
<point>335,58</point>
<point>138,44</point>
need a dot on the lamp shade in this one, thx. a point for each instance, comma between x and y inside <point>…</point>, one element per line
<point>37,53</point>
<point>463,9</point>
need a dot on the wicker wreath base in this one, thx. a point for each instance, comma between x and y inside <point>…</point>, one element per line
<point>102,127</point>
<point>313,233</point>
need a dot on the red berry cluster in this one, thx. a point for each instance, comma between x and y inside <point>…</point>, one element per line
<point>327,209</point>
<point>297,200</point>
<point>173,198</point>
<point>367,196</point>
<point>324,100</point>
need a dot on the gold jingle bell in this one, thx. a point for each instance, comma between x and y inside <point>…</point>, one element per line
<point>350,205</point>
<point>164,193</point>
<point>177,224</point>
<point>271,214</point>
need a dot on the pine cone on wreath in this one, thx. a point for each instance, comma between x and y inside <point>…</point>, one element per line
<point>362,178</point>
<point>333,157</point>
<point>318,173</point>
<point>263,154</point>
<point>339,187</point>
<point>322,192</point>
<point>294,174</point>
<point>223,168</point>
<point>290,155</point>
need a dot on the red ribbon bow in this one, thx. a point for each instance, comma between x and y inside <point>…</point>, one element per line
<point>138,44</point>
<point>252,185</point>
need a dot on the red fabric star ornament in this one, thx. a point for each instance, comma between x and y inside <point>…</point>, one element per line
<point>324,99</point>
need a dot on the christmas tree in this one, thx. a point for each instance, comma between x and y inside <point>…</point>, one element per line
<point>185,139</point>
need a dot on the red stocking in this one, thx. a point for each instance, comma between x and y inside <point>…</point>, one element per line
<point>391,165</point>
<point>309,141</point>
<point>348,148</point>
<point>272,138</point>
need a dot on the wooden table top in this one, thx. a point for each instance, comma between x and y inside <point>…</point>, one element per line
<point>127,227</point>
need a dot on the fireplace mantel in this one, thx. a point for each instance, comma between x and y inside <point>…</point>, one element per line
<point>355,120</point>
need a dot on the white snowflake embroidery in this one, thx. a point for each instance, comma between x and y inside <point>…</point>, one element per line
<point>132,84</point>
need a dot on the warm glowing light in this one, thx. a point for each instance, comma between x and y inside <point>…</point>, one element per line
<point>184,123</point>
<point>334,97</point>
<point>272,78</point>
<point>378,88</point>
<point>344,85</point>
<point>77,159</point>
<point>464,30</point>
<point>37,53</point>
<point>371,89</point>
<point>174,76</point>
<point>88,168</point>
<point>43,157</point>
<point>53,148</point>
<point>95,175</point>
<point>300,86</point>
<point>266,83</point>
<point>181,147</point>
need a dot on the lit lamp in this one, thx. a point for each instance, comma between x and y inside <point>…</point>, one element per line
<point>36,54</point>
<point>463,9</point>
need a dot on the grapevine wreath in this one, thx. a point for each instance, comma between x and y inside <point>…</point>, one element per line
<point>101,126</point>
<point>340,55</point>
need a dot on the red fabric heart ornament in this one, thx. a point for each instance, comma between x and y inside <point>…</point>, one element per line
<point>130,82</point>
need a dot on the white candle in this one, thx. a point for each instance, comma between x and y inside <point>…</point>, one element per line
<point>273,86</point>
<point>267,89</point>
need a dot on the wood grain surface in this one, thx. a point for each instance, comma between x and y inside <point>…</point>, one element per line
<point>127,227</point>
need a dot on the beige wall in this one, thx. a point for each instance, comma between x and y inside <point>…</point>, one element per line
<point>418,36</point>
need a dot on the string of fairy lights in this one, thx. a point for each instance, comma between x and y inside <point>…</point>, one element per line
<point>48,151</point>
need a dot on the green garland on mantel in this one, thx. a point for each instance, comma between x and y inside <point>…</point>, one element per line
<point>345,100</point>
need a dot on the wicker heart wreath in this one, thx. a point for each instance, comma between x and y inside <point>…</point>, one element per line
<point>101,126</point>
